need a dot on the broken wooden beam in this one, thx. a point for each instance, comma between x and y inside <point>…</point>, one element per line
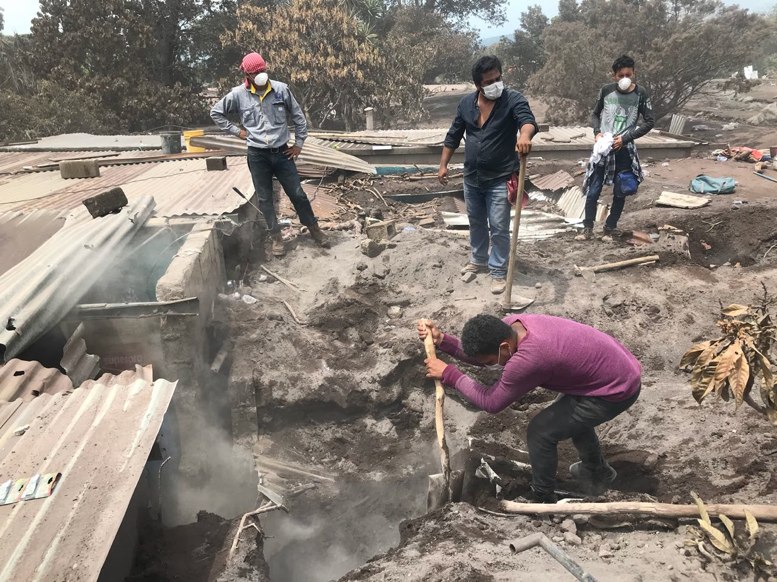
<point>617,265</point>
<point>761,512</point>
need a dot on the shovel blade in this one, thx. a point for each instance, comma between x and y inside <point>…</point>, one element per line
<point>439,492</point>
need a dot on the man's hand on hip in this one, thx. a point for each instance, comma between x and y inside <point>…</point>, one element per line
<point>292,152</point>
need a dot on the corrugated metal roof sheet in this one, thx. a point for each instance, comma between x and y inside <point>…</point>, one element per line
<point>87,141</point>
<point>553,182</point>
<point>180,188</point>
<point>99,437</point>
<point>534,225</point>
<point>21,234</point>
<point>315,152</point>
<point>406,138</point>
<point>324,205</point>
<point>39,291</point>
<point>583,135</point>
<point>26,380</point>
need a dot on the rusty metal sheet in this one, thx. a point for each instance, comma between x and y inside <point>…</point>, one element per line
<point>21,234</point>
<point>553,182</point>
<point>397,138</point>
<point>36,293</point>
<point>180,187</point>
<point>24,380</point>
<point>99,437</point>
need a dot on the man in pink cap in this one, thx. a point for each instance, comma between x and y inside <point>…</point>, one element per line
<point>263,107</point>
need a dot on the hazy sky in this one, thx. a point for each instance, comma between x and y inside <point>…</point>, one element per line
<point>19,13</point>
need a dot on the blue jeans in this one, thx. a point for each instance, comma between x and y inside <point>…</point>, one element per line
<point>489,211</point>
<point>592,199</point>
<point>264,164</point>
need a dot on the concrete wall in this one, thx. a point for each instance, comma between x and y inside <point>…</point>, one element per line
<point>197,270</point>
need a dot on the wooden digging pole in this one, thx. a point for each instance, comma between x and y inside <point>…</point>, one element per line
<point>507,300</point>
<point>445,494</point>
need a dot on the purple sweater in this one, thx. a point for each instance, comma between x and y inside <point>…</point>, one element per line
<point>557,354</point>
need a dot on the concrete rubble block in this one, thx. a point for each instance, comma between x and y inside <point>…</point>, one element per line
<point>568,525</point>
<point>468,277</point>
<point>79,169</point>
<point>394,312</point>
<point>216,163</point>
<point>381,230</point>
<point>106,202</point>
<point>372,248</point>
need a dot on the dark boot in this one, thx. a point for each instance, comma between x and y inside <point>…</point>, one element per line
<point>278,249</point>
<point>317,234</point>
<point>594,482</point>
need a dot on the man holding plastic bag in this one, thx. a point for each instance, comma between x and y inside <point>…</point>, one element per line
<point>615,161</point>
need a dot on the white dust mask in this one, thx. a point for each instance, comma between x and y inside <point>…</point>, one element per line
<point>624,83</point>
<point>494,90</point>
<point>261,80</point>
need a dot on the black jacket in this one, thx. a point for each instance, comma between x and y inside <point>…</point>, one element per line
<point>489,154</point>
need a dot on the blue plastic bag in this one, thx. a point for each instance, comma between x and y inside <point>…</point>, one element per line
<point>702,184</point>
<point>627,182</point>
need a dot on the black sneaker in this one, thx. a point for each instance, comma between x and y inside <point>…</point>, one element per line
<point>610,231</point>
<point>596,482</point>
<point>543,497</point>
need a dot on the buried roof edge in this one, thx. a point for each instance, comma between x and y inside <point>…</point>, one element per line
<point>98,437</point>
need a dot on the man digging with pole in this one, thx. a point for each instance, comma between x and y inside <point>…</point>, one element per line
<point>596,377</point>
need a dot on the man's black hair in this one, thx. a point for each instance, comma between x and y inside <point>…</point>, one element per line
<point>483,65</point>
<point>483,334</point>
<point>622,62</point>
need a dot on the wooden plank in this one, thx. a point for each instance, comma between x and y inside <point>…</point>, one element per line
<point>681,200</point>
<point>762,512</point>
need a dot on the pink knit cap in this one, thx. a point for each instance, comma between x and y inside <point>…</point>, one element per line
<point>253,63</point>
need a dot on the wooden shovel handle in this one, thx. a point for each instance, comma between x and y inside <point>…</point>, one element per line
<point>439,401</point>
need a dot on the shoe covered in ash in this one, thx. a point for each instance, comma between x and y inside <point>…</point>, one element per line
<point>498,285</point>
<point>277,248</point>
<point>611,231</point>
<point>473,268</point>
<point>317,234</point>
<point>543,496</point>
<point>594,481</point>
<point>587,234</point>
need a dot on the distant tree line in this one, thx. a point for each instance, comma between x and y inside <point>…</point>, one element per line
<point>137,65</point>
<point>110,66</point>
<point>679,46</point>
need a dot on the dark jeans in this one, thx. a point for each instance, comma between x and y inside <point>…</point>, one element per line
<point>592,199</point>
<point>569,417</point>
<point>264,164</point>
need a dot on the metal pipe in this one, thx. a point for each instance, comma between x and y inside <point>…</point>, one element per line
<point>557,553</point>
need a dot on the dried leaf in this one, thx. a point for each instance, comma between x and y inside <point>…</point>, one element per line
<point>693,353</point>
<point>726,361</point>
<point>739,378</point>
<point>729,525</point>
<point>702,510</point>
<point>735,310</point>
<point>717,538</point>
<point>752,524</point>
